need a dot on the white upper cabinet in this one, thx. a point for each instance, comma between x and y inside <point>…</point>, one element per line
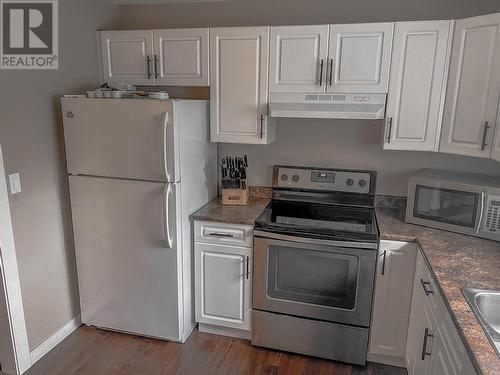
<point>350,58</point>
<point>127,57</point>
<point>239,85</point>
<point>298,59</point>
<point>473,87</point>
<point>417,85</point>
<point>181,57</point>
<point>177,57</point>
<point>359,57</point>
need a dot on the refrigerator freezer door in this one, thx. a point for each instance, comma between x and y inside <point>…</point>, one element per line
<point>127,267</point>
<point>124,138</point>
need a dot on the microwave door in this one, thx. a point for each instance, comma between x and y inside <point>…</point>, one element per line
<point>445,206</point>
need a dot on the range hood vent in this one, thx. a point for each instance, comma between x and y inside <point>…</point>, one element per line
<point>341,106</point>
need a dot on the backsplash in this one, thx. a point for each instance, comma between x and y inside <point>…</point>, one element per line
<point>351,144</point>
<point>390,201</point>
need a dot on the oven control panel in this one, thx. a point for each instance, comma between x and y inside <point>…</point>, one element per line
<point>327,180</point>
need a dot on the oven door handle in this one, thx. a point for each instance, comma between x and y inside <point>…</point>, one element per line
<point>481,213</point>
<point>308,240</point>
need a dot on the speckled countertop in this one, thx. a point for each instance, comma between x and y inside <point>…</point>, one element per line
<point>215,211</point>
<point>457,261</point>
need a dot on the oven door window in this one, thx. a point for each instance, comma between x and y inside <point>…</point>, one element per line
<point>313,277</point>
<point>445,205</point>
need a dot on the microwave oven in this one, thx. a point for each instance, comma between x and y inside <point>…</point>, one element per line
<point>465,203</point>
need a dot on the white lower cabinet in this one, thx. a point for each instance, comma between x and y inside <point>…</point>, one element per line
<point>223,278</point>
<point>433,345</point>
<point>391,307</point>
<point>411,326</point>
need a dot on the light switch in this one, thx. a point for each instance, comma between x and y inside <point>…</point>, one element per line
<point>15,183</point>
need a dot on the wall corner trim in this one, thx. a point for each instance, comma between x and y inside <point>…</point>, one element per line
<point>55,339</point>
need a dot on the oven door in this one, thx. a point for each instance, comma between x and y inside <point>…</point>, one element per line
<point>312,280</point>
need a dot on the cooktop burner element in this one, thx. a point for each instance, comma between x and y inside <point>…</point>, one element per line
<point>328,221</point>
<point>322,203</point>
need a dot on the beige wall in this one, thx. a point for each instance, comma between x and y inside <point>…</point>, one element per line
<point>327,143</point>
<point>353,144</point>
<point>293,12</point>
<point>30,135</point>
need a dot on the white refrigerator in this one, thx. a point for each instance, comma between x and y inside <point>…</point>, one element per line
<point>137,169</point>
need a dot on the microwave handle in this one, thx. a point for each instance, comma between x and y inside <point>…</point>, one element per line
<point>481,213</point>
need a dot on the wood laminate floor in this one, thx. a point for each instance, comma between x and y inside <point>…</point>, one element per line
<point>90,351</point>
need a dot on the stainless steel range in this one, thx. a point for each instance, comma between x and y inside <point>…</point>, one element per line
<point>315,251</point>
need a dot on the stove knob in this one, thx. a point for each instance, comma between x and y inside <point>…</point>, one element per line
<point>284,177</point>
<point>349,182</point>
<point>295,178</point>
<point>362,183</point>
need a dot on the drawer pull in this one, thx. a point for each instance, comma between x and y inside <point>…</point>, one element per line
<point>424,286</point>
<point>224,235</point>
<point>248,267</point>
<point>424,346</point>
<point>321,72</point>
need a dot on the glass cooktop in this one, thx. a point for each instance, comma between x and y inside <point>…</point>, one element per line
<point>324,221</point>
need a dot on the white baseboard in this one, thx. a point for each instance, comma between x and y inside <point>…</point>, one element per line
<point>55,339</point>
<point>225,331</point>
<point>387,360</point>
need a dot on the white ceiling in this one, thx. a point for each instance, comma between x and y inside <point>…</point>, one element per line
<point>138,2</point>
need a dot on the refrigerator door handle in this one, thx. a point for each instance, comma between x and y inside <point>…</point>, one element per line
<point>166,222</point>
<point>164,145</point>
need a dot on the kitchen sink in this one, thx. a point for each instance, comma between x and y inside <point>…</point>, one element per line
<point>486,306</point>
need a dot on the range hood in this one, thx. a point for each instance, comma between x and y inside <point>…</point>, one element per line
<point>341,106</point>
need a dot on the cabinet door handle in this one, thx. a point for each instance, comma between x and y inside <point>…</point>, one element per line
<point>424,345</point>
<point>331,71</point>
<point>156,67</point>
<point>148,66</point>
<point>248,267</point>
<point>321,72</point>
<point>261,126</point>
<point>223,235</point>
<point>389,131</point>
<point>424,286</point>
<point>485,132</point>
<point>384,256</point>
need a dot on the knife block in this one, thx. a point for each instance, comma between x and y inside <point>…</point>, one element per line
<point>235,197</point>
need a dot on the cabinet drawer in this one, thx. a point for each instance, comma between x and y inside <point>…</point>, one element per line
<point>431,295</point>
<point>223,233</point>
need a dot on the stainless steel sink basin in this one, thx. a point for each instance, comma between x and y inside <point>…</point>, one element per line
<point>486,306</point>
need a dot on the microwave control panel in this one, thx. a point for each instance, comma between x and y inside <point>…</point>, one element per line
<point>492,215</point>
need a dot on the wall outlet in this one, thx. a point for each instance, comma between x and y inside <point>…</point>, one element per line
<point>15,183</point>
